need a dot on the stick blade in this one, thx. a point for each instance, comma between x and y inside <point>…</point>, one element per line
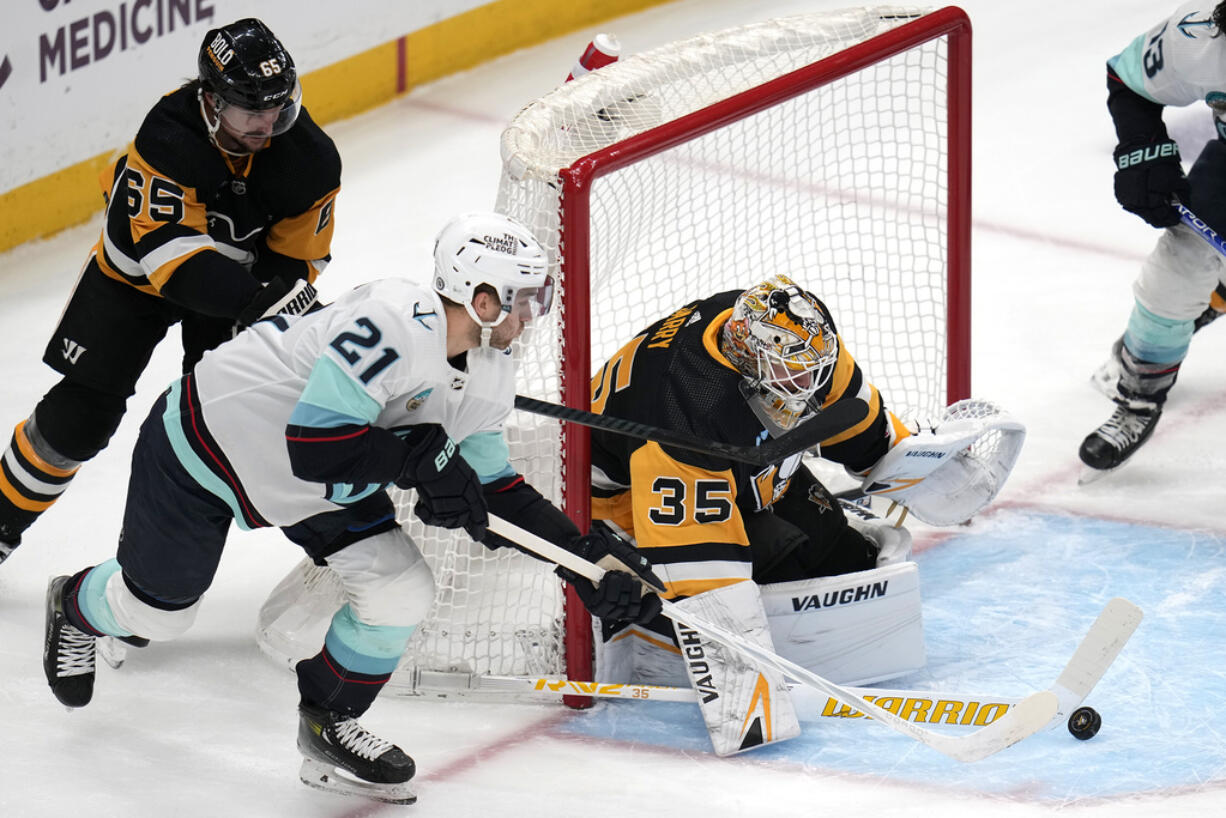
<point>1024,719</point>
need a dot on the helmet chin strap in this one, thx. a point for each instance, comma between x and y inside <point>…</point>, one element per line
<point>487,327</point>
<point>213,128</point>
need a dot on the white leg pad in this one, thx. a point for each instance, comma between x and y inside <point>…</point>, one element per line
<point>142,619</point>
<point>386,579</point>
<point>852,628</point>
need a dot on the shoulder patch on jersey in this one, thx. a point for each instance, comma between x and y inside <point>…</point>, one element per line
<point>417,400</point>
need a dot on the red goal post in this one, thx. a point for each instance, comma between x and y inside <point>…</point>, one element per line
<point>834,147</point>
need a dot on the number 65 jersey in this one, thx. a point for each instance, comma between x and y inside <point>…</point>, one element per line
<point>373,360</point>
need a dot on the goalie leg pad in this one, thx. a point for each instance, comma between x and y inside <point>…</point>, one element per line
<point>743,705</point>
<point>851,629</point>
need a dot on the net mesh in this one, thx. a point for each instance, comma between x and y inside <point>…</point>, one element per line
<point>842,187</point>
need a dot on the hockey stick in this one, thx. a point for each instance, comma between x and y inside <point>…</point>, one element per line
<point>808,434</point>
<point>930,706</point>
<point>1201,229</point>
<point>1026,718</point>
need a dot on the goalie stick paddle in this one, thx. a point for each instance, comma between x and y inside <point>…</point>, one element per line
<point>829,421</point>
<point>1029,716</point>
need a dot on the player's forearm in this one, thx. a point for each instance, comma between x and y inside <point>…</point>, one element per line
<point>1137,120</point>
<point>211,284</point>
<point>512,499</point>
<point>345,454</point>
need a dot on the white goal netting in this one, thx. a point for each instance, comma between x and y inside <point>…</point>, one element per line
<point>705,165</point>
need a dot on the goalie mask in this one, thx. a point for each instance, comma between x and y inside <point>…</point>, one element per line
<point>490,249</point>
<point>780,340</point>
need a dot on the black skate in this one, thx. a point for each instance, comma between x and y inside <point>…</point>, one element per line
<point>339,755</point>
<point>1109,446</point>
<point>68,652</point>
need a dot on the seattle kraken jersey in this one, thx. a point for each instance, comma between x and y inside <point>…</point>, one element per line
<point>687,509</point>
<point>376,356</point>
<point>1177,62</point>
<point>174,199</point>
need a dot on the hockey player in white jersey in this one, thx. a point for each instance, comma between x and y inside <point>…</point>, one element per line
<point>303,423</point>
<point>1182,284</point>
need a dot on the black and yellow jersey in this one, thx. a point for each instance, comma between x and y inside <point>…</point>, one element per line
<point>178,206</point>
<point>687,509</point>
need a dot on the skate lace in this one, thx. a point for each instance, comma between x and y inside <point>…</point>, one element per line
<point>1123,428</point>
<point>74,655</point>
<point>357,739</point>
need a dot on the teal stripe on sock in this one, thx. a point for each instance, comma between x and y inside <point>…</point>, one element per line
<point>92,599</point>
<point>1156,339</point>
<point>370,649</point>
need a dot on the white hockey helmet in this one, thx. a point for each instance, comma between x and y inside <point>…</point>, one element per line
<point>781,341</point>
<point>495,250</point>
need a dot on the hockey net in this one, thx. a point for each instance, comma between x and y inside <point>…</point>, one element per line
<point>833,147</point>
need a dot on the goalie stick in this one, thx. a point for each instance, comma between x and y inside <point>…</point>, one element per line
<point>807,435</point>
<point>1090,661</point>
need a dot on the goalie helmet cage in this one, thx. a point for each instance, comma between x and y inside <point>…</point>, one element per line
<point>833,146</point>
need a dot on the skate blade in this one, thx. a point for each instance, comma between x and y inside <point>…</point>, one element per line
<point>112,651</point>
<point>329,779</point>
<point>1089,475</point>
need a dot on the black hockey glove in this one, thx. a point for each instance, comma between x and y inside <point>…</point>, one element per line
<point>448,490</point>
<point>1148,178</point>
<point>279,297</point>
<point>620,596</point>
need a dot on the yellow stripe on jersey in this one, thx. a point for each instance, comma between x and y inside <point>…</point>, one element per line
<point>694,587</point>
<point>678,504</point>
<point>851,432</point>
<point>710,339</point>
<point>618,509</point>
<point>307,236</point>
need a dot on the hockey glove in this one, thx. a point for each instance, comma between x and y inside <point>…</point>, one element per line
<point>1148,178</point>
<point>279,297</point>
<point>448,490</point>
<point>620,596</point>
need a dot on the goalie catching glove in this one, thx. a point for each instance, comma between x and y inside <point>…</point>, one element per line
<point>946,474</point>
<point>621,595</point>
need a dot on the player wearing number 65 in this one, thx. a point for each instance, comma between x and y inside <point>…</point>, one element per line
<point>220,212</point>
<point>303,422</point>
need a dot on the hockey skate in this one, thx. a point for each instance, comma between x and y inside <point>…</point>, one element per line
<point>339,755</point>
<point>1111,445</point>
<point>6,548</point>
<point>114,650</point>
<point>68,652</point>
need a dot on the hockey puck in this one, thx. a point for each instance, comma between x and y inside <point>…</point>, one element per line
<point>1084,723</point>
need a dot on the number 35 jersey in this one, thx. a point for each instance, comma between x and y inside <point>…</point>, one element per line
<point>687,509</point>
<point>374,358</point>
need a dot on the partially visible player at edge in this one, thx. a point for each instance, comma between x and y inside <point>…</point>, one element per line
<point>1182,284</point>
<point>303,423</point>
<point>736,367</point>
<point>219,213</point>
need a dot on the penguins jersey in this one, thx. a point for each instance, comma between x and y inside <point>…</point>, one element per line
<point>687,509</point>
<point>1177,62</point>
<point>177,206</point>
<point>338,382</point>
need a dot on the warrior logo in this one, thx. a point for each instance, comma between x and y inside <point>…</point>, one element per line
<point>72,350</point>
